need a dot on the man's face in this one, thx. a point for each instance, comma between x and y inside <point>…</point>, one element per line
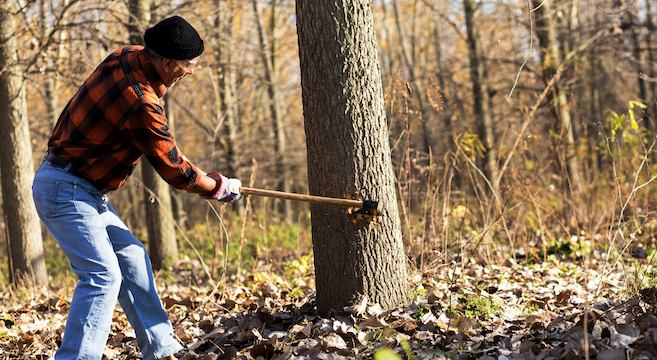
<point>179,69</point>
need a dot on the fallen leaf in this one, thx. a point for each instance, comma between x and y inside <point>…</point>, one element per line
<point>333,341</point>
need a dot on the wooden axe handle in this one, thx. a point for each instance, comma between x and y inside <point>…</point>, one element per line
<point>300,197</point>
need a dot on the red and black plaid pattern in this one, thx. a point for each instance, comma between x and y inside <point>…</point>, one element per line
<point>115,118</point>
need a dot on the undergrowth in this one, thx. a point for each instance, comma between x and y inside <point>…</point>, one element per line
<point>451,215</point>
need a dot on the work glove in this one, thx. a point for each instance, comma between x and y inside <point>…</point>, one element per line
<point>229,190</point>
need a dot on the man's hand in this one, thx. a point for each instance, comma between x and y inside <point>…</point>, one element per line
<point>229,189</point>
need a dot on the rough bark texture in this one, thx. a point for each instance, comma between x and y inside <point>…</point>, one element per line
<point>23,229</point>
<point>162,246</point>
<point>348,151</point>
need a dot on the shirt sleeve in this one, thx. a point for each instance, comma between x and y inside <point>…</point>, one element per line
<point>148,129</point>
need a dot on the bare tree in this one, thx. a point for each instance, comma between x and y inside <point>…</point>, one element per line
<point>651,64</point>
<point>551,58</point>
<point>227,105</point>
<point>479,80</point>
<point>268,54</point>
<point>348,151</point>
<point>177,197</point>
<point>638,52</point>
<point>162,246</point>
<point>52,84</point>
<point>24,241</point>
<point>408,57</point>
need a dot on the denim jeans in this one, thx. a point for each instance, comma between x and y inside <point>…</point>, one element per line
<point>109,262</point>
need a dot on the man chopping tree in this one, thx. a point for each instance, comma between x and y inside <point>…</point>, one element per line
<point>113,120</point>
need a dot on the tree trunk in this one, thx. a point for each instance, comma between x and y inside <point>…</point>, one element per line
<point>177,197</point>
<point>594,78</point>
<point>27,264</point>
<point>551,59</point>
<point>389,66</point>
<point>162,245</point>
<point>571,39</point>
<point>637,55</point>
<point>226,102</point>
<point>52,83</point>
<point>348,151</point>
<point>652,66</point>
<point>408,57</point>
<point>479,81</point>
<point>268,54</point>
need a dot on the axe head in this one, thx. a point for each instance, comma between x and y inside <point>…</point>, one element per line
<point>370,205</point>
<point>367,214</point>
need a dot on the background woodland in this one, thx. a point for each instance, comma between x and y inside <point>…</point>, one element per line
<point>518,129</point>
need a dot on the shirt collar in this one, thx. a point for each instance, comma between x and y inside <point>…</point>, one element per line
<point>152,75</point>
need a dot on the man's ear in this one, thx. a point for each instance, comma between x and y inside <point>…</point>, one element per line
<point>167,64</point>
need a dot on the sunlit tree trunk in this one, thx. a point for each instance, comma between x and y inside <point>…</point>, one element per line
<point>390,64</point>
<point>27,264</point>
<point>342,96</point>
<point>227,110</point>
<point>571,39</point>
<point>52,83</point>
<point>268,49</point>
<point>479,80</point>
<point>162,246</point>
<point>416,84</point>
<point>551,59</point>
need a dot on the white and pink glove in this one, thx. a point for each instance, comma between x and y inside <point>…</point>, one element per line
<point>229,190</point>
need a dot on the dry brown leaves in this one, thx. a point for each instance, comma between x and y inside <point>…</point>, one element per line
<point>544,311</point>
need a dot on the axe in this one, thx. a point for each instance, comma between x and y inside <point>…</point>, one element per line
<point>368,209</point>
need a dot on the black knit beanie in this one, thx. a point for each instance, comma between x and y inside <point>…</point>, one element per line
<point>174,38</point>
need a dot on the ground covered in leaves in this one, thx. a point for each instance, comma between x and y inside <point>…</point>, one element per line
<point>512,311</point>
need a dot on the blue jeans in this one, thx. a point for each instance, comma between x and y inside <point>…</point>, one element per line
<point>109,261</point>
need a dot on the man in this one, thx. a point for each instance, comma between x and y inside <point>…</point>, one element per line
<point>115,118</point>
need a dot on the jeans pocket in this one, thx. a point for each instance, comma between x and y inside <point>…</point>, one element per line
<point>45,197</point>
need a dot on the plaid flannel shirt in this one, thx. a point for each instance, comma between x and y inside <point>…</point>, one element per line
<point>115,118</point>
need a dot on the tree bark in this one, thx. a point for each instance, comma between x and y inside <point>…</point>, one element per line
<point>27,264</point>
<point>348,151</point>
<point>478,78</point>
<point>162,246</point>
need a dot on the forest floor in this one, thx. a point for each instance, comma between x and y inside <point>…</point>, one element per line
<point>547,310</point>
